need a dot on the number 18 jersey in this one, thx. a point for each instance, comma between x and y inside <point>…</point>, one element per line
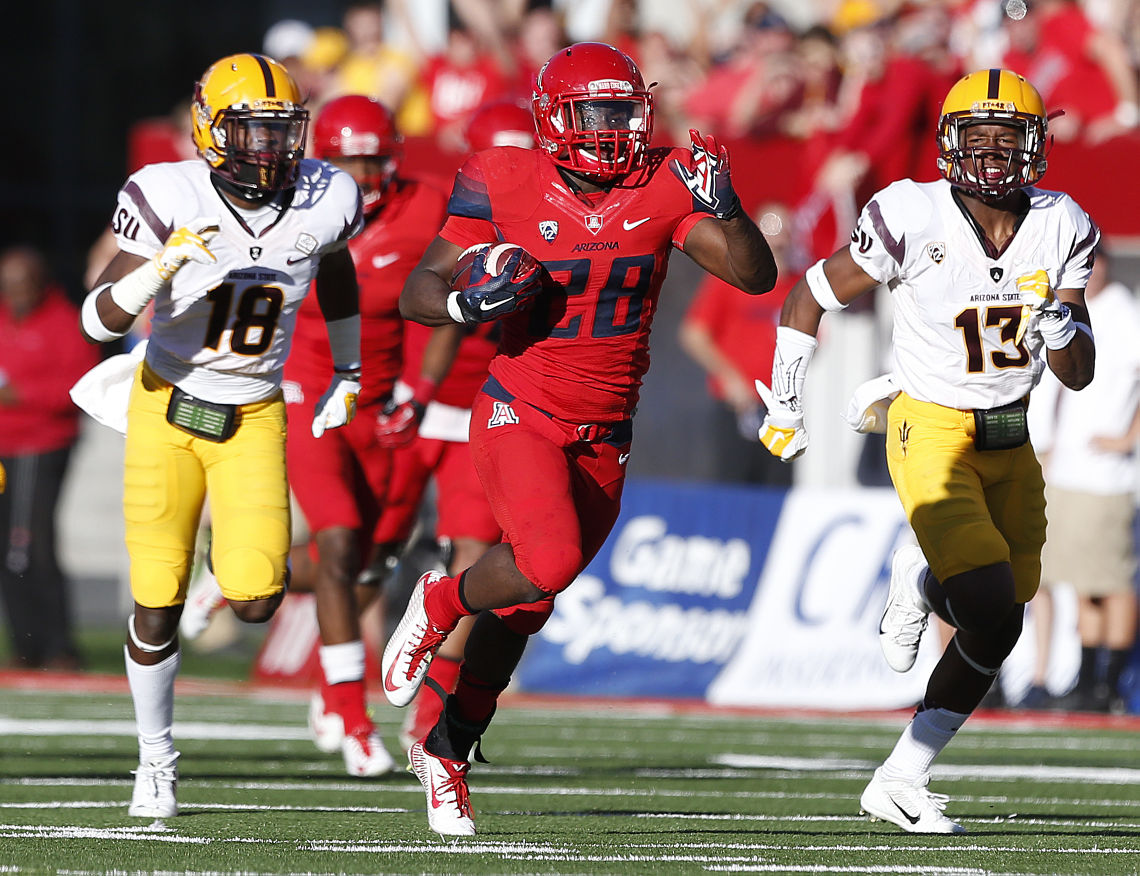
<point>221,331</point>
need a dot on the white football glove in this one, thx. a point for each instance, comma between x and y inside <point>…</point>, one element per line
<point>782,431</point>
<point>1053,319</point>
<point>186,244</point>
<point>337,406</point>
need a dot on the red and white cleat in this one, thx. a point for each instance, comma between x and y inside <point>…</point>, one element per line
<point>365,755</point>
<point>413,645</point>
<point>445,781</point>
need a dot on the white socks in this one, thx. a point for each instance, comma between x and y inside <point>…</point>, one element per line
<point>342,663</point>
<point>922,741</point>
<point>152,689</point>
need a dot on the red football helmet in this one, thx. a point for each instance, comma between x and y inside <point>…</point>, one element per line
<point>592,110</point>
<point>500,123</point>
<point>355,126</point>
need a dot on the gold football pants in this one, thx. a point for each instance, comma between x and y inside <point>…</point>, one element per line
<point>969,508</point>
<point>169,473</point>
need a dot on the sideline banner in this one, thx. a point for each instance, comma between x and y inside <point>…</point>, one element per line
<point>741,596</point>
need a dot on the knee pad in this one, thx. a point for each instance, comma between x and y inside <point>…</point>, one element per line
<point>551,568</point>
<point>246,573</point>
<point>986,651</point>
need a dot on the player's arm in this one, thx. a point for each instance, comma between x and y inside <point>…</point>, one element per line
<point>398,422</point>
<point>1073,363</point>
<point>728,244</point>
<point>339,298</point>
<point>735,250</point>
<point>424,296</point>
<point>827,286</point>
<point>129,282</point>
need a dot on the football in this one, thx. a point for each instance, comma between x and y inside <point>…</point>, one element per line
<point>497,255</point>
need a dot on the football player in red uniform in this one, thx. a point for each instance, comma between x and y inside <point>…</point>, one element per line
<point>340,482</point>
<point>551,429</point>
<point>438,448</point>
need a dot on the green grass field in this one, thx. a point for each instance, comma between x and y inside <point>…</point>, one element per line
<point>582,788</point>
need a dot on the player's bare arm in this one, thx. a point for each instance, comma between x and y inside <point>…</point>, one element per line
<point>424,296</point>
<point>1074,364</point>
<point>114,317</point>
<point>735,250</point>
<point>846,280</point>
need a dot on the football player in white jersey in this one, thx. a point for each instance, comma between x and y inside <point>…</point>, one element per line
<point>987,275</point>
<point>226,246</point>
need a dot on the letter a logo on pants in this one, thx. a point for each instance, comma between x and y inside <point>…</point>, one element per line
<point>503,415</point>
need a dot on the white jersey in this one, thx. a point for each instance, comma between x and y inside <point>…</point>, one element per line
<point>956,307</point>
<point>222,331</point>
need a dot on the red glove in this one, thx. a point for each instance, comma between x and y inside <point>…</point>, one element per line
<point>398,423</point>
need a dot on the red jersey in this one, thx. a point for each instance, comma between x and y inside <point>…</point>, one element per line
<point>743,327</point>
<point>42,355</point>
<point>469,370</point>
<point>580,349</point>
<point>385,252</point>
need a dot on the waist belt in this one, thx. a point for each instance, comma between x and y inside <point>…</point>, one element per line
<point>1001,428</point>
<point>618,433</point>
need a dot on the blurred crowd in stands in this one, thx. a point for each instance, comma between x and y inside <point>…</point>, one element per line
<point>825,101</point>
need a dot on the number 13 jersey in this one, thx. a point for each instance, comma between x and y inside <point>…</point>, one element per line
<point>956,305</point>
<point>222,331</point>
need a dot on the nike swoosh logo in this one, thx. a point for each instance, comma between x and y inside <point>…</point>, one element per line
<point>913,819</point>
<point>622,457</point>
<point>486,305</point>
<point>388,678</point>
<point>382,261</point>
<point>629,226</point>
<point>294,261</point>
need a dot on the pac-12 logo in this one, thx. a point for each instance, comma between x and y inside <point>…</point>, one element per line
<point>936,251</point>
<point>548,228</point>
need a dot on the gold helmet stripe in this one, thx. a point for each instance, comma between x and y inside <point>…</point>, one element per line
<point>267,72</point>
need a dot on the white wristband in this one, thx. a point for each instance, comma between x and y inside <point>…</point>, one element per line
<point>821,289</point>
<point>89,318</point>
<point>1058,332</point>
<point>453,307</point>
<point>133,292</point>
<point>344,342</point>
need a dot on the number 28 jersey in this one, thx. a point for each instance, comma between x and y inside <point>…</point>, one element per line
<point>580,349</point>
<point>956,306</point>
<point>222,331</point>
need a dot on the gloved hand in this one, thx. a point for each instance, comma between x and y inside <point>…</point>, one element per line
<point>1054,321</point>
<point>337,406</point>
<point>709,180</point>
<point>188,243</point>
<point>487,297</point>
<point>398,422</point>
<point>782,431</point>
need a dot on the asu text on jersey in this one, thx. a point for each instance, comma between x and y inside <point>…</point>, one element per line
<point>222,331</point>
